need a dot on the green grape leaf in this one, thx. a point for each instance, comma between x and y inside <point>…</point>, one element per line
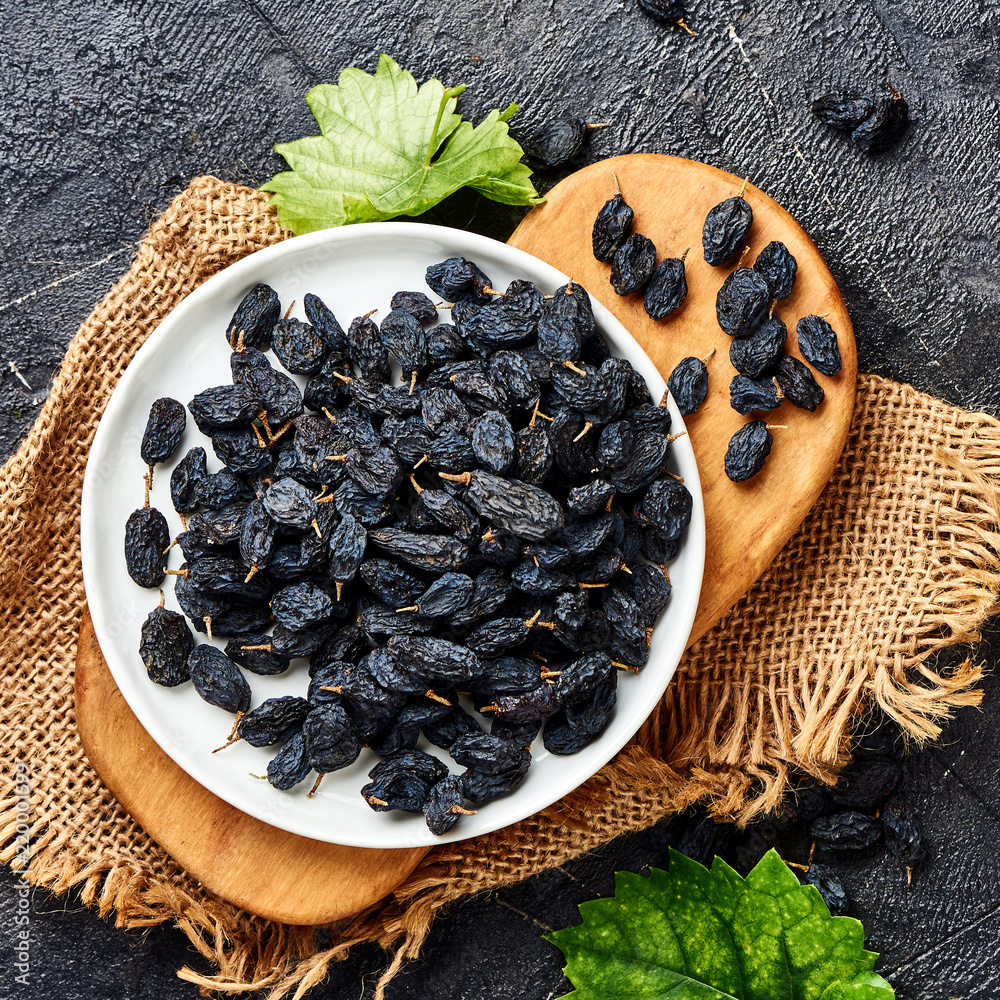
<point>691,933</point>
<point>388,148</point>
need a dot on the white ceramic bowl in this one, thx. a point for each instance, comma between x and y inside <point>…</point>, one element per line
<point>354,270</point>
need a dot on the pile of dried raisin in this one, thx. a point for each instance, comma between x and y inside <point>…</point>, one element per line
<point>861,815</point>
<point>494,525</point>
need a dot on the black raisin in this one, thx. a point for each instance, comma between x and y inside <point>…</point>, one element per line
<point>184,479</point>
<point>667,288</point>
<point>612,227</point>
<point>146,541</point>
<point>741,304</point>
<point>725,230</point>
<point>818,344</point>
<point>164,429</point>
<point>325,324</point>
<point>164,646</point>
<point>218,680</point>
<point>798,385</point>
<point>846,831</point>
<point>843,109</point>
<point>688,384</point>
<point>748,394</point>
<point>444,805</point>
<point>555,143</point>
<point>884,127</point>
<point>748,449</point>
<point>777,267</point>
<point>830,888</point>
<point>273,721</point>
<point>903,832</point>
<point>455,277</point>
<point>760,353</point>
<point>254,318</point>
<point>632,265</point>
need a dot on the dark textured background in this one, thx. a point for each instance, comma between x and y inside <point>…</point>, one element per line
<point>109,108</point>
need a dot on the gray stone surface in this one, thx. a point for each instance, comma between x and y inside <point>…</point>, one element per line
<point>110,108</point>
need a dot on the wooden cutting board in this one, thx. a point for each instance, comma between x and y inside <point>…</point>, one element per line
<point>284,877</point>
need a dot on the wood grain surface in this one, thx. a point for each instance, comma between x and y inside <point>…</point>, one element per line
<point>290,878</point>
<point>746,523</point>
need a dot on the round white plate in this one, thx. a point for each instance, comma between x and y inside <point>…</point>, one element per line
<point>354,270</point>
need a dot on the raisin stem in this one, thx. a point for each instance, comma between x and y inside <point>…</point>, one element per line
<point>346,379</point>
<point>710,354</point>
<point>618,189</point>
<point>412,607</point>
<point>681,23</point>
<point>462,811</point>
<point>586,427</point>
<point>624,666</point>
<point>312,791</point>
<point>416,485</point>
<point>340,587</point>
<point>573,367</point>
<point>465,478</point>
<point>744,186</point>
<point>267,646</point>
<point>592,125</point>
<point>288,311</point>
<point>208,626</point>
<point>228,743</point>
<point>534,618</point>
<point>434,696</point>
<point>375,800</point>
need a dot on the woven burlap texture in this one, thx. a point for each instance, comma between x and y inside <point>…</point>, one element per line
<point>898,559</point>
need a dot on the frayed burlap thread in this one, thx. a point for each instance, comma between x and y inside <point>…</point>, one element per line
<point>899,559</point>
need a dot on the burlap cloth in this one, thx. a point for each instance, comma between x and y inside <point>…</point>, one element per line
<point>897,560</point>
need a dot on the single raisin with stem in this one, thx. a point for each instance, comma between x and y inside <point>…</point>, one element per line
<point>556,142</point>
<point>818,344</point>
<point>632,264</point>
<point>164,429</point>
<point>777,267</point>
<point>688,384</point>
<point>667,288</point>
<point>146,539</point>
<point>884,127</point>
<point>760,353</point>
<point>667,11</point>
<point>254,318</point>
<point>455,277</point>
<point>749,394</point>
<point>612,226</point>
<point>725,230</point>
<point>164,646</point>
<point>798,385</point>
<point>741,304</point>
<point>748,450</point>
<point>240,649</point>
<point>273,721</point>
<point>445,804</point>
<point>903,832</point>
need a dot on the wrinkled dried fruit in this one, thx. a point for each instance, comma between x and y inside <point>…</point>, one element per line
<point>632,265</point>
<point>688,384</point>
<point>748,450</point>
<point>146,541</point>
<point>760,353</point>
<point>749,394</point>
<point>667,288</point>
<point>612,227</point>
<point>164,646</point>
<point>777,267</point>
<point>164,430</point>
<point>818,344</point>
<point>725,230</point>
<point>798,385</point>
